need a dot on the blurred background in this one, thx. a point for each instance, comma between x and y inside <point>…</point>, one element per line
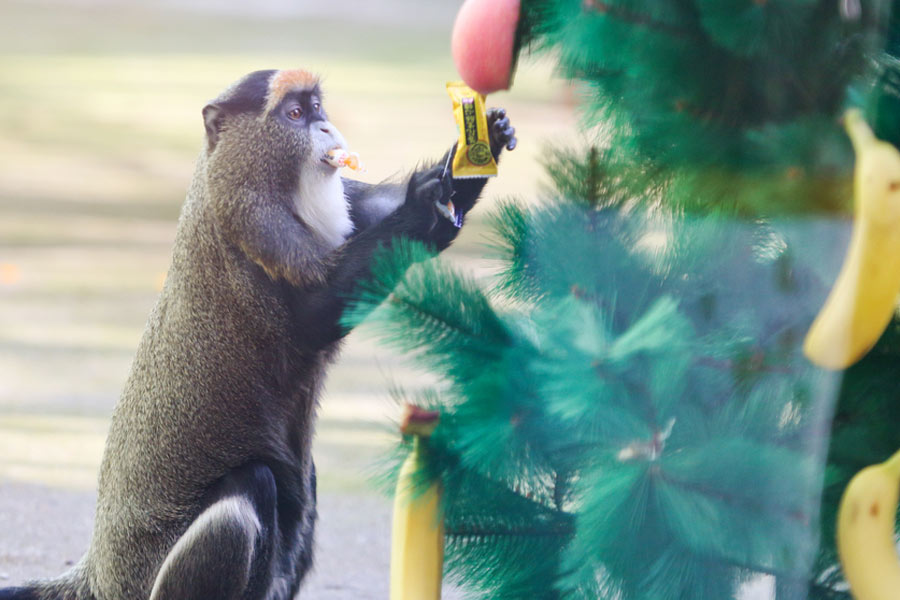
<point>99,128</point>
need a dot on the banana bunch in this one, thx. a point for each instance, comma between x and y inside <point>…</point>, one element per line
<point>417,539</point>
<point>863,299</point>
<point>865,537</point>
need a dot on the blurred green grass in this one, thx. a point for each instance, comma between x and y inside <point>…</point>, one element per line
<point>99,129</point>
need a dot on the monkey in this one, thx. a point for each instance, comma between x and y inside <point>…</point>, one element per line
<point>207,487</point>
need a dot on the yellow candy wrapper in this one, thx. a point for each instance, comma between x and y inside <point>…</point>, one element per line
<point>473,156</point>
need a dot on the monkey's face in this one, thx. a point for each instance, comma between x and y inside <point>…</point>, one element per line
<point>272,123</point>
<point>302,113</point>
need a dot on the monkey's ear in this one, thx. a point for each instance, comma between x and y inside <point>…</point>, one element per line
<point>213,117</point>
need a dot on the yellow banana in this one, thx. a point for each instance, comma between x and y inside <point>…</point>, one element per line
<point>863,299</point>
<point>865,535</point>
<point>417,539</point>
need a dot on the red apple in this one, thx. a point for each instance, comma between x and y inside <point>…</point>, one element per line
<point>484,37</point>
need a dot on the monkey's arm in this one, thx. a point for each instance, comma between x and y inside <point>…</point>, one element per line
<point>270,235</point>
<point>369,203</point>
<point>319,308</point>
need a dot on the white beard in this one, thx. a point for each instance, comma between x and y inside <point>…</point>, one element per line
<point>321,204</point>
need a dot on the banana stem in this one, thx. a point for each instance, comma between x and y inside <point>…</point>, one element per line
<point>893,464</point>
<point>858,130</point>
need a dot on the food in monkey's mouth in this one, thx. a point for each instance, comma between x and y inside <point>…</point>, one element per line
<point>338,157</point>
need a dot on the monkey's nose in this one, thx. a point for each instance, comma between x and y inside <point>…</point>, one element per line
<point>324,130</point>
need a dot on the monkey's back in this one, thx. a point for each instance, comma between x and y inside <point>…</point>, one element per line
<point>215,383</point>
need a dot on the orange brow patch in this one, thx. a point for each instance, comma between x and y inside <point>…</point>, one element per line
<point>286,81</point>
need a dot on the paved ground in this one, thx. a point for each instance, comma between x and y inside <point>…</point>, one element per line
<point>44,530</point>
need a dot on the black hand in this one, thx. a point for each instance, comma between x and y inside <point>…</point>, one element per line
<point>502,134</point>
<point>432,196</point>
<point>427,189</point>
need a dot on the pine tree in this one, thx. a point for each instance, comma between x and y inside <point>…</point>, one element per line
<point>626,411</point>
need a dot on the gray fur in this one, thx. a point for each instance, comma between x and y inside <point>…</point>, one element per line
<point>216,381</point>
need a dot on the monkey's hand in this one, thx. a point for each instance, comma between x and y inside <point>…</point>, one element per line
<point>430,208</point>
<point>436,204</point>
<point>502,134</point>
<point>466,191</point>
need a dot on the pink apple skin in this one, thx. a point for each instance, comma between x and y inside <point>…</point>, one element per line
<point>483,43</point>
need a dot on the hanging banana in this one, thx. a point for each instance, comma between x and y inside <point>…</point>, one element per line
<point>417,539</point>
<point>865,535</point>
<point>863,299</point>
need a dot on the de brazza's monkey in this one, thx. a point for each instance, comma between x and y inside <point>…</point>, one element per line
<point>207,487</point>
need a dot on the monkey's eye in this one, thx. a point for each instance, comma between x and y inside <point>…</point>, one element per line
<point>295,113</point>
<point>316,106</point>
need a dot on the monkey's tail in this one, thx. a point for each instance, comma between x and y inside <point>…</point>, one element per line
<point>45,590</point>
<point>19,593</point>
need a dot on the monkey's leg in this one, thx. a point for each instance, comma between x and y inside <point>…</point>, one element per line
<point>226,552</point>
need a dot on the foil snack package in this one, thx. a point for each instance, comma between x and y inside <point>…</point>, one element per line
<point>473,156</point>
